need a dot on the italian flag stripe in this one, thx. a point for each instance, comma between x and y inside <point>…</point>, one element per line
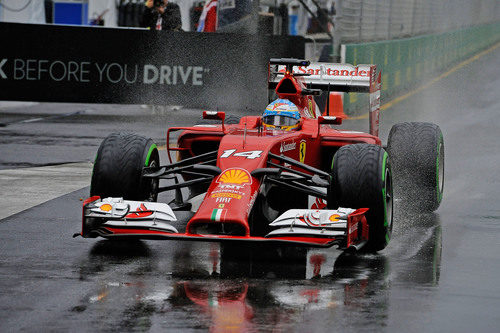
<point>216,214</point>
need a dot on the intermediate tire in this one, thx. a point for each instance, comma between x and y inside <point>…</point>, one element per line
<point>417,156</point>
<point>118,168</point>
<point>362,178</point>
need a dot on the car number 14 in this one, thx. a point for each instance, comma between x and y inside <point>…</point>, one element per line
<point>252,154</point>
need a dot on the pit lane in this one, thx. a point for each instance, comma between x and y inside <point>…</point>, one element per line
<point>439,272</point>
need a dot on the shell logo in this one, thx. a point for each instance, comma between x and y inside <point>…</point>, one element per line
<point>334,217</point>
<point>235,176</point>
<point>106,207</point>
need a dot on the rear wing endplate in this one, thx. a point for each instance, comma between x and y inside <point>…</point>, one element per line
<point>335,77</point>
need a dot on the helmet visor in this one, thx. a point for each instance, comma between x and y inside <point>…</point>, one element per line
<point>280,121</point>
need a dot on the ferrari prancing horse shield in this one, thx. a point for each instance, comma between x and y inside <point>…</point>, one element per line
<point>302,151</point>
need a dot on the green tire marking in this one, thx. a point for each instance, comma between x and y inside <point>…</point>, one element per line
<point>153,147</point>
<point>384,190</point>
<point>438,190</point>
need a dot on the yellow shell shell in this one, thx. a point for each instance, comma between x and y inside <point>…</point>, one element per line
<point>235,176</point>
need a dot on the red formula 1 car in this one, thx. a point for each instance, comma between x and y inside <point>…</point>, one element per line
<point>286,177</point>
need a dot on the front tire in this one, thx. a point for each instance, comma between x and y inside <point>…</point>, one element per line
<point>118,168</point>
<point>362,178</point>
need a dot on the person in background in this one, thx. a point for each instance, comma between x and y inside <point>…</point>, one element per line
<point>208,18</point>
<point>162,15</point>
<point>195,13</point>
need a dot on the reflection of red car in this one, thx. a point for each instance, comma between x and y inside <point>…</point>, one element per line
<point>226,305</point>
<point>252,183</point>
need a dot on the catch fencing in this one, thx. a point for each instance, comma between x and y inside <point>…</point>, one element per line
<point>409,61</point>
<point>411,40</point>
<point>372,20</point>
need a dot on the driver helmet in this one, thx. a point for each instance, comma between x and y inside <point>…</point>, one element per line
<point>281,114</point>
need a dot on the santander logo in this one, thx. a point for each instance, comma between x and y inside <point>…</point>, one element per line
<point>287,146</point>
<point>332,71</point>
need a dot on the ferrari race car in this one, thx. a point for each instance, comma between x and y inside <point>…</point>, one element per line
<point>287,177</point>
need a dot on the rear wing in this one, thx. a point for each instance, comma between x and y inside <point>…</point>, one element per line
<point>333,77</point>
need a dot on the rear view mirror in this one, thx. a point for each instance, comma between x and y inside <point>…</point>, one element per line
<point>329,120</point>
<point>214,115</point>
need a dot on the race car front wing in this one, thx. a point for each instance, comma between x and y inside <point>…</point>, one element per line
<point>118,218</point>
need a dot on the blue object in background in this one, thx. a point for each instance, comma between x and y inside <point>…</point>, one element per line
<point>292,29</point>
<point>74,12</point>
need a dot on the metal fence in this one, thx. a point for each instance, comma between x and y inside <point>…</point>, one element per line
<point>371,20</point>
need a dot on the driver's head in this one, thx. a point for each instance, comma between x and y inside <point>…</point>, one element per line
<point>281,114</point>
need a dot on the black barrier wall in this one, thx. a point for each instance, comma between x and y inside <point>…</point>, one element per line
<point>99,65</point>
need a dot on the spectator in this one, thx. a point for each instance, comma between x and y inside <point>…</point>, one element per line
<point>196,11</point>
<point>208,18</point>
<point>162,15</point>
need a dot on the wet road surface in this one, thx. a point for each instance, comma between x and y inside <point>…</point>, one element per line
<point>439,273</point>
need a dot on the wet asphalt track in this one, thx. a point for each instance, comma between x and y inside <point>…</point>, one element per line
<point>439,273</point>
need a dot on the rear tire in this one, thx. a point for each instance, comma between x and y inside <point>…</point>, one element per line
<point>417,154</point>
<point>118,168</point>
<point>362,179</point>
